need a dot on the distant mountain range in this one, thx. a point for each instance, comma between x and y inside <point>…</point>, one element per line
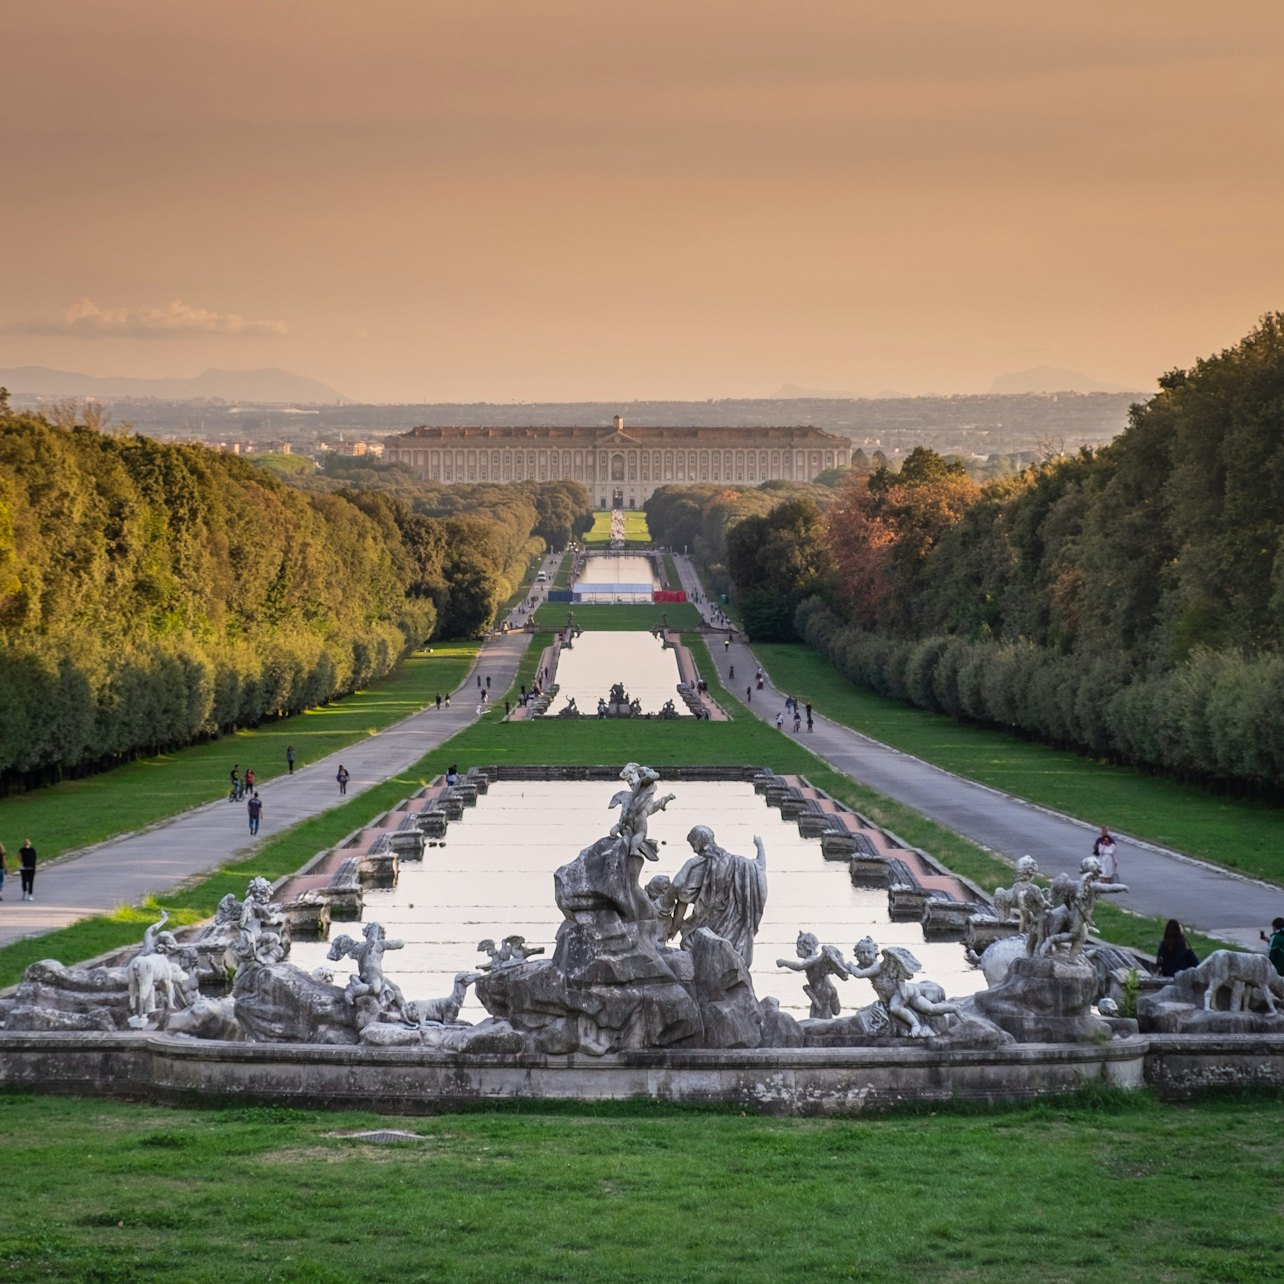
<point>1050,379</point>
<point>271,386</point>
<point>792,392</point>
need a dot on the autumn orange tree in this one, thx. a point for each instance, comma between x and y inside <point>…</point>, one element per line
<point>884,526</point>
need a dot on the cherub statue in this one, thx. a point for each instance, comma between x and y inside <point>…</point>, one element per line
<point>515,950</point>
<point>370,981</point>
<point>906,1001</point>
<point>1025,899</point>
<point>1069,920</point>
<point>512,951</point>
<point>260,933</point>
<point>820,963</point>
<point>656,890</point>
<point>637,804</point>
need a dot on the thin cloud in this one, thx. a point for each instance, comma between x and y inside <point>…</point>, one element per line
<point>86,320</point>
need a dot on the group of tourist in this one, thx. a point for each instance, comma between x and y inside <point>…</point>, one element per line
<point>1174,954</point>
<point>243,787</point>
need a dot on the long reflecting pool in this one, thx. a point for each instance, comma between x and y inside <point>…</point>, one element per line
<point>494,876</point>
<point>598,660</point>
<point>616,577</point>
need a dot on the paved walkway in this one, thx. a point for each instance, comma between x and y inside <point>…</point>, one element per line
<point>1162,883</point>
<point>124,870</point>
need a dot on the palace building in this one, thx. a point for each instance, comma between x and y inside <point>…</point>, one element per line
<point>619,466</point>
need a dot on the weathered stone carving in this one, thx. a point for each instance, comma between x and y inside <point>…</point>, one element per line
<point>915,1008</point>
<point>720,891</point>
<point>1025,901</point>
<point>163,980</point>
<point>1045,999</point>
<point>821,963</point>
<point>445,1011</point>
<point>1228,993</point>
<point>369,983</point>
<point>637,804</point>
<point>1068,920</point>
<point>509,953</point>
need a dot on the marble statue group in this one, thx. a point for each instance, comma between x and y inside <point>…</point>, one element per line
<point>633,967</point>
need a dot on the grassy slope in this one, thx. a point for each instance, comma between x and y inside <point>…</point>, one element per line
<point>1105,1189</point>
<point>77,813</point>
<point>618,617</point>
<point>1240,834</point>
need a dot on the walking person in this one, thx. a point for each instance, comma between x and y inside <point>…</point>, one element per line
<point>4,869</point>
<point>1104,850</point>
<point>235,795</point>
<point>249,780</point>
<point>342,777</point>
<point>289,758</point>
<point>438,701</point>
<point>27,869</point>
<point>254,809</point>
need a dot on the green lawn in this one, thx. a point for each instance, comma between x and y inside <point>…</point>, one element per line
<point>618,617</point>
<point>77,813</point>
<point>1102,1188</point>
<point>1241,834</point>
<point>636,532</point>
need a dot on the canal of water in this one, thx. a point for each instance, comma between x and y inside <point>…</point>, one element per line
<point>493,876</point>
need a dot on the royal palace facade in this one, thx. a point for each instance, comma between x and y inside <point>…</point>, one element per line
<point>619,466</point>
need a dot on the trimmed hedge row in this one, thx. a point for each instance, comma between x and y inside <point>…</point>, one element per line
<point>1214,718</point>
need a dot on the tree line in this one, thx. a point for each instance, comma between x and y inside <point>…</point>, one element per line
<point>153,594</point>
<point>1126,601</point>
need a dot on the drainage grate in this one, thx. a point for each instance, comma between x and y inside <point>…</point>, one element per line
<point>380,1136</point>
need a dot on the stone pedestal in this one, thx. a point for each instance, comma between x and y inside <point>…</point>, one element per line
<point>378,870</point>
<point>814,824</point>
<point>408,844</point>
<point>308,916</point>
<point>982,931</point>
<point>432,824</point>
<point>837,844</point>
<point>945,920</point>
<point>870,871</point>
<point>1045,1000</point>
<point>905,903</point>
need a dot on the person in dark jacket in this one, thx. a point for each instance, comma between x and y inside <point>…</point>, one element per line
<point>1174,954</point>
<point>27,870</point>
<point>1276,946</point>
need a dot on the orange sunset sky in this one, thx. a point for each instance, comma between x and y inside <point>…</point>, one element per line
<point>427,200</point>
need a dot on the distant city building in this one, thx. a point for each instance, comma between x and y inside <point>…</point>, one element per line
<point>356,449</point>
<point>618,465</point>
